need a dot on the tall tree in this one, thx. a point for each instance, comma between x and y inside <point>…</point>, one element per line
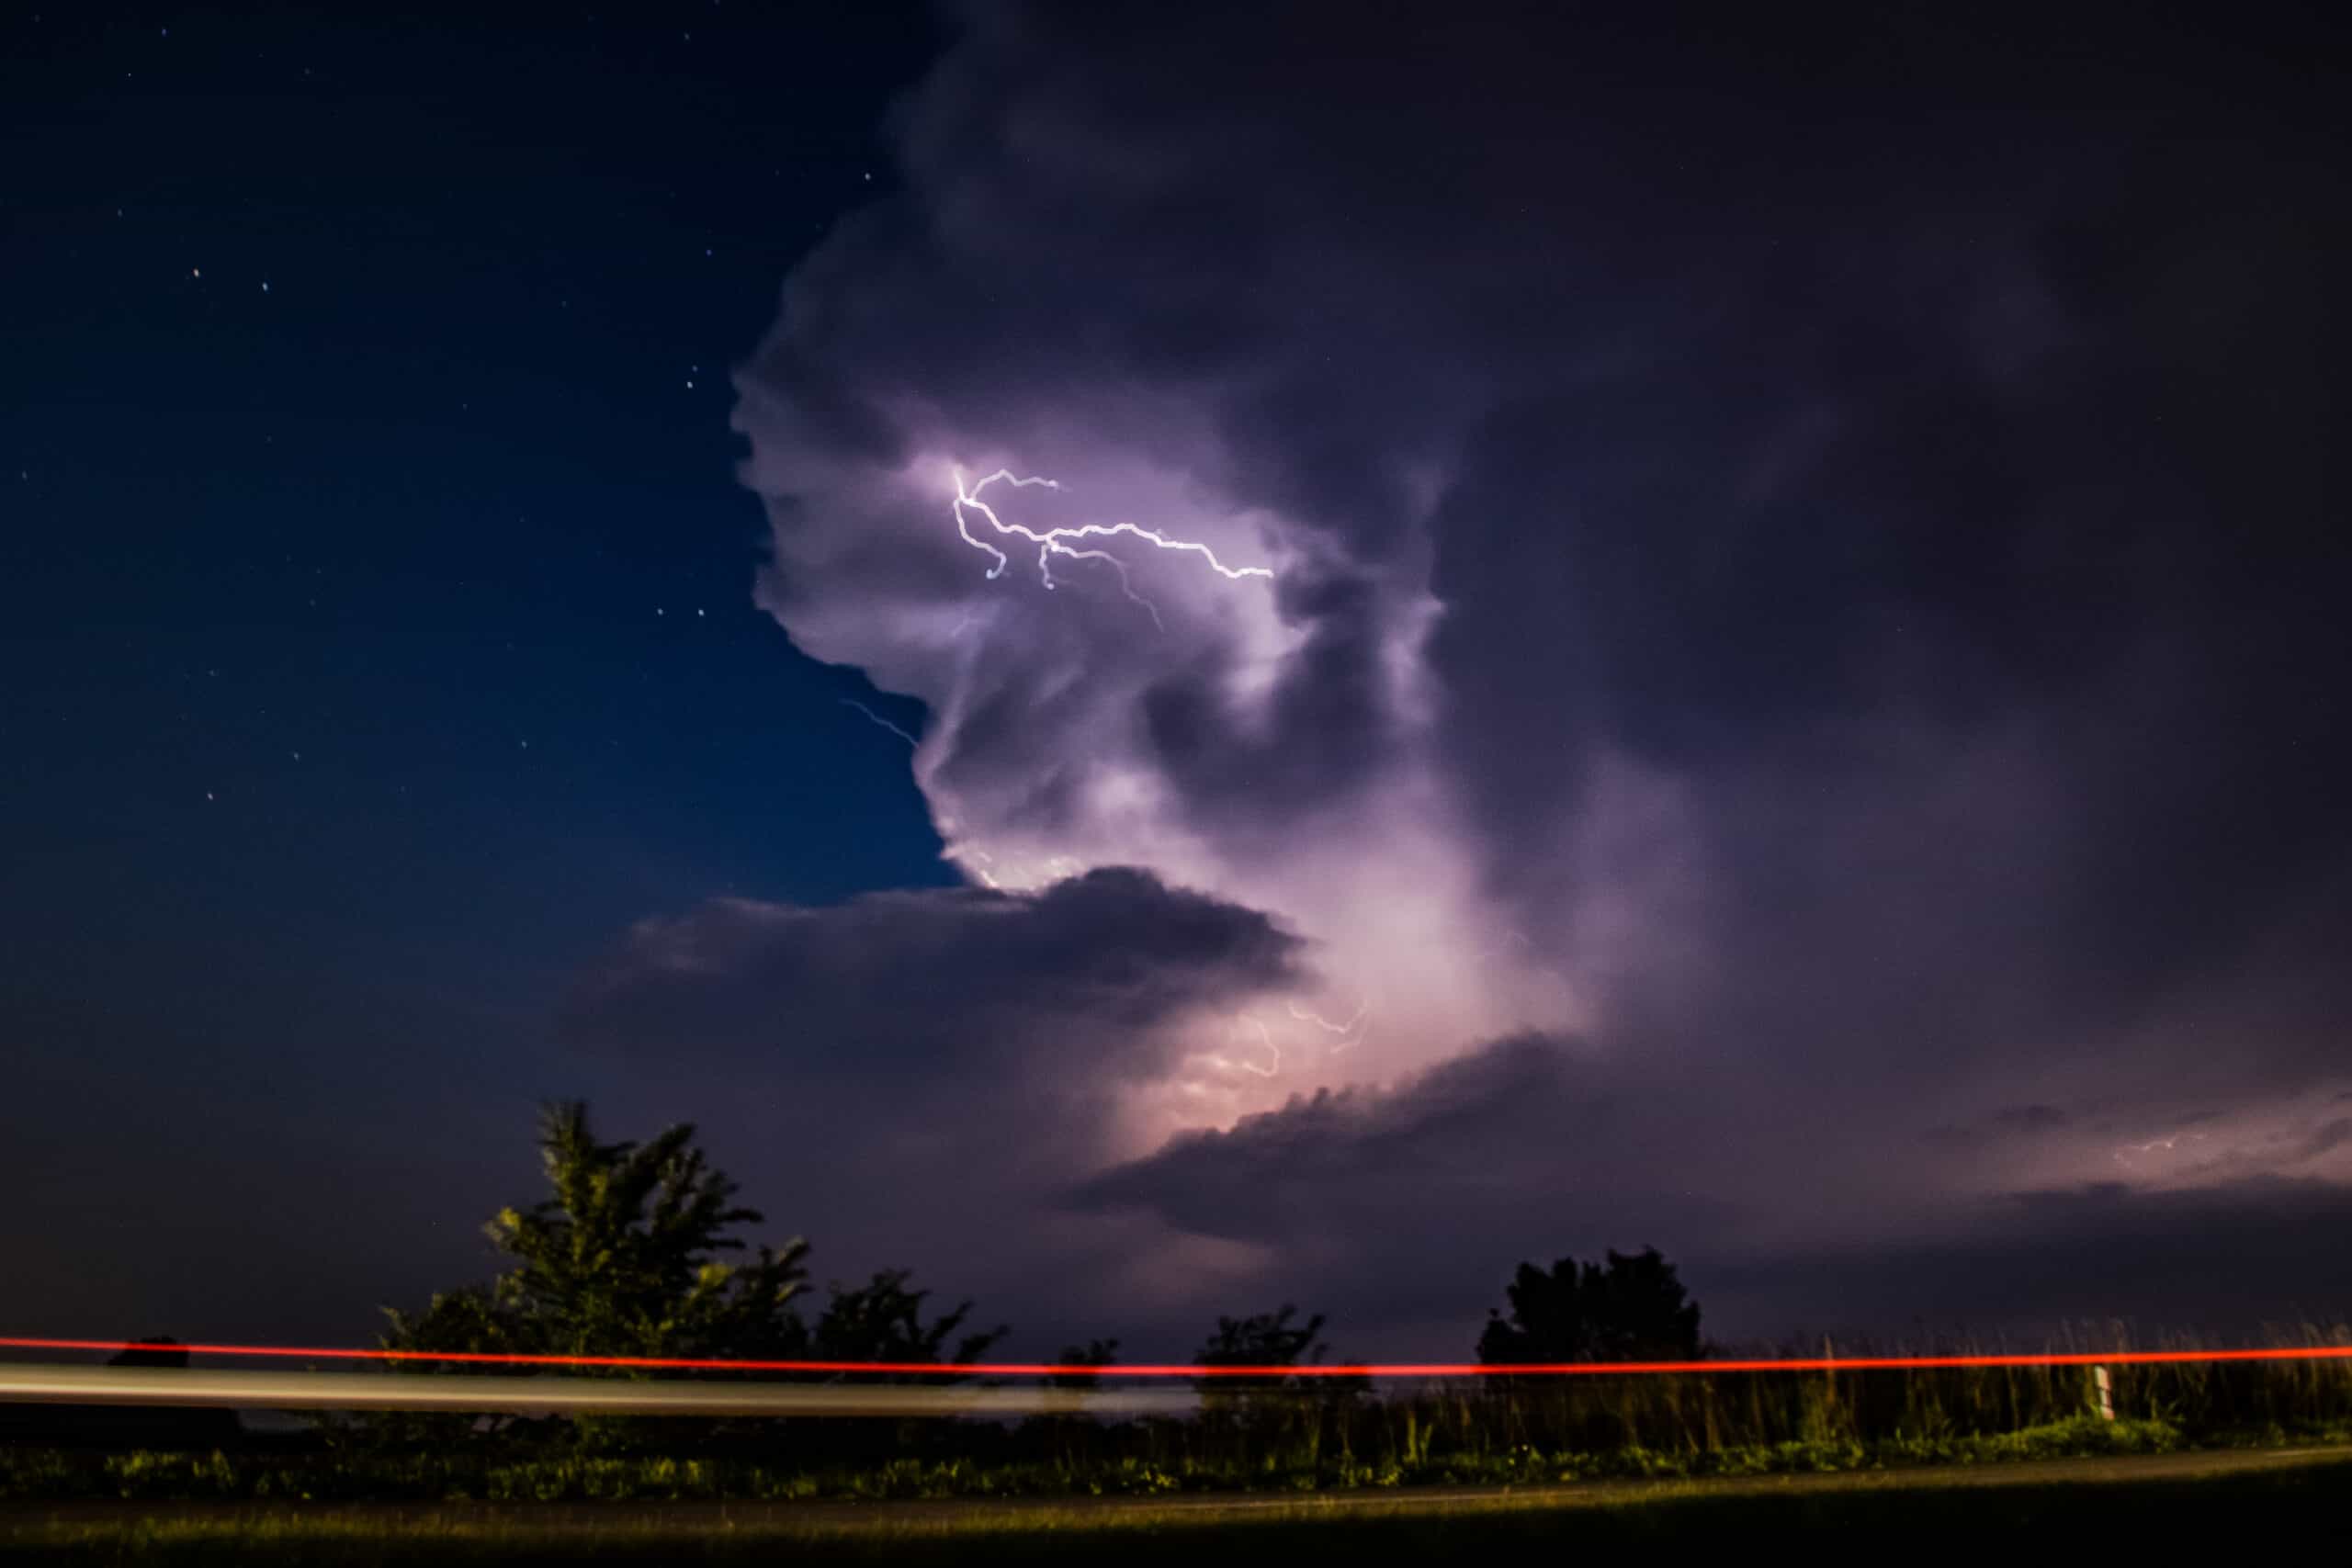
<point>1631,1309</point>
<point>623,1258</point>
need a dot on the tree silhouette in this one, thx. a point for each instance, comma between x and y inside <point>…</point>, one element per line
<point>1633,1309</point>
<point>622,1260</point>
<point>882,1321</point>
<point>1269,1339</point>
<point>1276,1402</point>
<point>1093,1353</point>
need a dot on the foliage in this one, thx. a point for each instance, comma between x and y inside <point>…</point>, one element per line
<point>1275,1415</point>
<point>623,1260</point>
<point>882,1321</point>
<point>1474,1433</point>
<point>1631,1309</point>
<point>1093,1353</point>
<point>1267,1339</point>
<point>478,1474</point>
<point>626,1257</point>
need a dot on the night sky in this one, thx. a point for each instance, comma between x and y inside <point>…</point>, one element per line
<point>1732,636</point>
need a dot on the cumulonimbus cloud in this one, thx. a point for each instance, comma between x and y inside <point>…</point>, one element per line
<point>1823,612</point>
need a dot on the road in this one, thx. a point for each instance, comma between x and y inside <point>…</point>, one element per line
<point>554,1521</point>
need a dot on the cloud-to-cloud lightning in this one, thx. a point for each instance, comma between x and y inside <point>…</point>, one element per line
<point>1052,542</point>
<point>1350,1033</point>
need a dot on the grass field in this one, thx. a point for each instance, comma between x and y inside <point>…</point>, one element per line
<point>2137,1504</point>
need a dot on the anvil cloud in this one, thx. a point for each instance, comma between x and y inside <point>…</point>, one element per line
<point>1806,612</point>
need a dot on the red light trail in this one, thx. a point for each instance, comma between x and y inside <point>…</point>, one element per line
<point>1334,1369</point>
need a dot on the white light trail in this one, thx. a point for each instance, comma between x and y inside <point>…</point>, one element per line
<point>481,1393</point>
<point>1052,542</point>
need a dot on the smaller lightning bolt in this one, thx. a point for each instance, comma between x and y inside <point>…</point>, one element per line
<point>2152,1145</point>
<point>854,703</point>
<point>1052,542</point>
<point>1272,1051</point>
<point>1015,873</point>
<point>1349,1032</point>
<point>1510,939</point>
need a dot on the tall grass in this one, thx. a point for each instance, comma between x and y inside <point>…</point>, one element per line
<point>1700,1421</point>
<point>1311,1435</point>
<point>1701,1413</point>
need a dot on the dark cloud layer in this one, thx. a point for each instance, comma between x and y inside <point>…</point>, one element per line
<point>1821,535</point>
<point>1531,1147</point>
<point>937,985</point>
<point>2236,1260</point>
<point>911,1078</point>
<point>1527,1144</point>
<point>1475,1135</point>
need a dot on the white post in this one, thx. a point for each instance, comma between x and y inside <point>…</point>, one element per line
<point>2106,1392</point>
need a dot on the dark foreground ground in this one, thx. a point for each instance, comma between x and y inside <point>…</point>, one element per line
<point>2260,1500</point>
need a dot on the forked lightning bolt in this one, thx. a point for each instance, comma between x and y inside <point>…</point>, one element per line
<point>1052,542</point>
<point>1351,1034</point>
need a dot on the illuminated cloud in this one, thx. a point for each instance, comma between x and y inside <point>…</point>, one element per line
<point>1792,609</point>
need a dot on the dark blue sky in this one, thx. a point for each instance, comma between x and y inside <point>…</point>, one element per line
<point>377,577</point>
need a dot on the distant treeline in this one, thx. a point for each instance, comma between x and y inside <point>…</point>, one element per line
<point>635,1252</point>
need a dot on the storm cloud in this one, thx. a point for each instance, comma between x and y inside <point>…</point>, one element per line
<point>929,972</point>
<point>1532,1139</point>
<point>1806,561</point>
